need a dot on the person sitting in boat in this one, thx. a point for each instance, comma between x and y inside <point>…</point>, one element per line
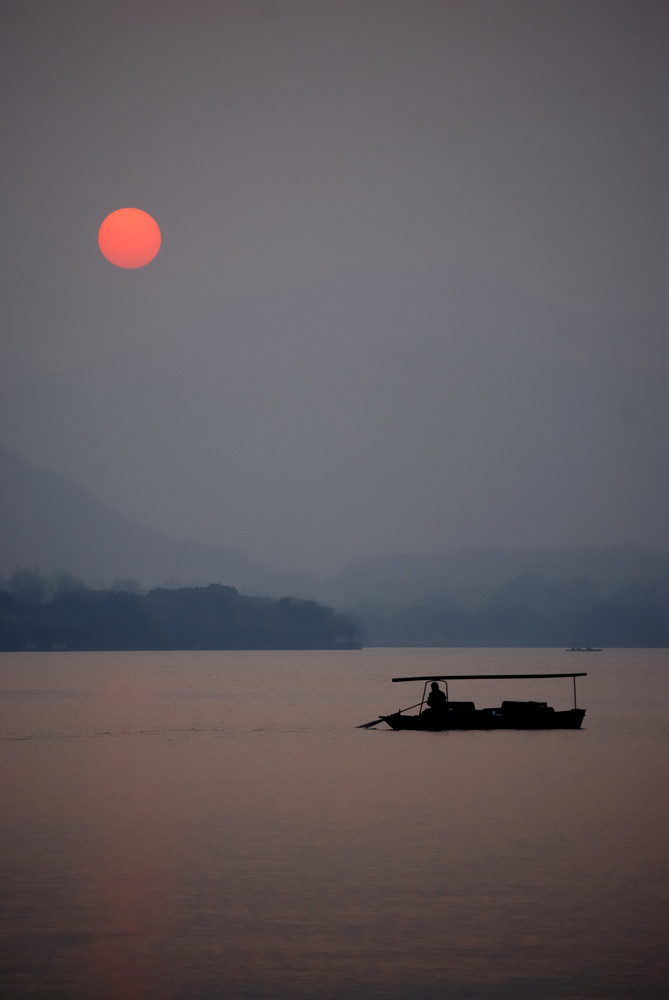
<point>436,699</point>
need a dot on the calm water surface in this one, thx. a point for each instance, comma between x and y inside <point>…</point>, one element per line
<point>189,826</point>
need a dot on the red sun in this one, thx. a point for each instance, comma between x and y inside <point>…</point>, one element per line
<point>129,237</point>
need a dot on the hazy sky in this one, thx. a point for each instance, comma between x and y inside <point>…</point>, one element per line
<point>412,291</point>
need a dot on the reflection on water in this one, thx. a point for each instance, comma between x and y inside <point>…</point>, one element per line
<point>205,825</point>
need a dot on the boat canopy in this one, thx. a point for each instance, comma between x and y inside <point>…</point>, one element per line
<point>487,677</point>
<point>483,677</point>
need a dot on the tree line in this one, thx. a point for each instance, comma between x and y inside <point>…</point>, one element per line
<point>60,613</point>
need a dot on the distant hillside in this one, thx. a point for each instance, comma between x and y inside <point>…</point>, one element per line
<point>616,596</point>
<point>50,522</point>
<point>471,576</point>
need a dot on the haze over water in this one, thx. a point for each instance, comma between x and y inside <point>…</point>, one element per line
<point>200,825</point>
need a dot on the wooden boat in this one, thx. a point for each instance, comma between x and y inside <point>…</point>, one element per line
<point>464,715</point>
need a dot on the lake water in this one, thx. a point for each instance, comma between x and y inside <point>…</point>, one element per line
<point>191,826</point>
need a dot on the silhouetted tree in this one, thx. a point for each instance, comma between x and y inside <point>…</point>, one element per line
<point>28,586</point>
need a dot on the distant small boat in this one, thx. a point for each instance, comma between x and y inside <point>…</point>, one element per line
<point>584,649</point>
<point>449,715</point>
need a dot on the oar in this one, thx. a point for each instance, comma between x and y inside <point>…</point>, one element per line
<point>368,725</point>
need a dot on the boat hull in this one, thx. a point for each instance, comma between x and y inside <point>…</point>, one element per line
<point>487,718</point>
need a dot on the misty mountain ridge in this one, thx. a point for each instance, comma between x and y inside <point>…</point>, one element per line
<point>472,576</point>
<point>52,523</point>
<point>56,525</point>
